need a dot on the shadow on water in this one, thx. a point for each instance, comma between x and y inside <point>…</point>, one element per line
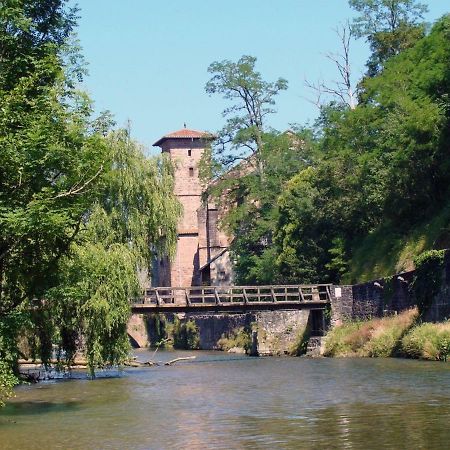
<point>37,407</point>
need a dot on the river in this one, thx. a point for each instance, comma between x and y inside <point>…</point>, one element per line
<point>224,401</point>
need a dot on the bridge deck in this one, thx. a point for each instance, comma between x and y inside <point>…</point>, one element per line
<point>232,298</point>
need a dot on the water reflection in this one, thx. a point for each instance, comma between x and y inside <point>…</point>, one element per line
<point>220,401</point>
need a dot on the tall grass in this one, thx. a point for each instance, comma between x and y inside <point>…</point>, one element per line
<point>375,338</point>
<point>428,341</point>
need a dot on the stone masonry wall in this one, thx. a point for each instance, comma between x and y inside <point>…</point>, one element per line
<point>277,332</point>
<point>380,297</point>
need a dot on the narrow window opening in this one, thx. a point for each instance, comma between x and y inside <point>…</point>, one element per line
<point>191,171</point>
<point>189,152</point>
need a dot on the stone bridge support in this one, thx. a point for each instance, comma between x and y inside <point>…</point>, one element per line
<point>137,331</point>
<point>276,332</point>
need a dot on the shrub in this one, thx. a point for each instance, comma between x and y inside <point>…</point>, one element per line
<point>428,341</point>
<point>239,337</point>
<point>340,340</point>
<point>7,382</point>
<point>427,278</point>
<point>185,335</point>
<point>388,332</point>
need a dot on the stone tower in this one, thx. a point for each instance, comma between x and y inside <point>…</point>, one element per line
<point>185,148</point>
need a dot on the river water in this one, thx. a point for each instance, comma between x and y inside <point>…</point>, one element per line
<point>224,401</point>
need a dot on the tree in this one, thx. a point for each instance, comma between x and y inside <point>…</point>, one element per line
<point>133,216</point>
<point>382,172</point>
<point>253,100</point>
<point>390,26</point>
<point>49,163</point>
<point>341,90</point>
<point>80,208</point>
<point>254,206</point>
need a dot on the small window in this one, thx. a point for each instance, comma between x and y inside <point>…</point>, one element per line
<point>191,171</point>
<point>189,152</point>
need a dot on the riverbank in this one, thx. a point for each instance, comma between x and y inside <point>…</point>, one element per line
<point>400,335</point>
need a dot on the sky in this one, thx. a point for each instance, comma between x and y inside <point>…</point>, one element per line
<point>148,59</point>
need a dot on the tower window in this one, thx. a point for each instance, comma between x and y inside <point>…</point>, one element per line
<point>191,171</point>
<point>189,152</point>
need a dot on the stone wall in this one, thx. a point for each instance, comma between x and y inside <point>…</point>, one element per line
<point>386,296</point>
<point>213,326</point>
<point>137,330</point>
<point>277,332</point>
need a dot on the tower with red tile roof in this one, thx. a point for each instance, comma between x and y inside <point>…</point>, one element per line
<point>185,148</point>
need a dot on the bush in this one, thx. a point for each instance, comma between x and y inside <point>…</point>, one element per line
<point>427,278</point>
<point>185,335</point>
<point>159,330</point>
<point>341,340</point>
<point>388,332</point>
<point>7,382</point>
<point>428,341</point>
<point>239,337</point>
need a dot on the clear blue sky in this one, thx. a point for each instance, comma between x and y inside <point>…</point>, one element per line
<point>148,59</point>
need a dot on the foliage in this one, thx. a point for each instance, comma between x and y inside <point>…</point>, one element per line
<point>427,279</point>
<point>185,335</point>
<point>382,171</point>
<point>254,208</point>
<point>7,382</point>
<point>428,341</point>
<point>390,249</point>
<point>240,337</point>
<point>135,213</point>
<point>252,100</point>
<point>390,27</point>
<point>158,329</point>
<point>9,353</point>
<point>81,209</point>
<point>372,338</point>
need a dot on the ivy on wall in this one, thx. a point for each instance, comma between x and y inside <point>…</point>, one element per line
<point>427,279</point>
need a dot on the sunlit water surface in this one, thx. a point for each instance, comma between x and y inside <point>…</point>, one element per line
<point>224,401</point>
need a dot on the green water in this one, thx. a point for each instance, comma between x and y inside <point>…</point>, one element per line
<point>225,401</point>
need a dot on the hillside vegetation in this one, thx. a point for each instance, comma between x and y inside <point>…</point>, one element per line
<point>366,189</point>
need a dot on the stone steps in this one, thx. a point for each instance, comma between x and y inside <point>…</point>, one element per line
<point>314,347</point>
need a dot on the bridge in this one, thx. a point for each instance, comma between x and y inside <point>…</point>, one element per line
<point>232,298</point>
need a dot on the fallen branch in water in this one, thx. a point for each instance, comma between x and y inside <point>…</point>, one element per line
<point>173,361</point>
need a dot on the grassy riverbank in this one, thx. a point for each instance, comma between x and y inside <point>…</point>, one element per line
<point>401,335</point>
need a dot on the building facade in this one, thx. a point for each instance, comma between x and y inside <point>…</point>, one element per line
<point>202,256</point>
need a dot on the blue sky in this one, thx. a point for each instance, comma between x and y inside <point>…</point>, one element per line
<point>148,59</point>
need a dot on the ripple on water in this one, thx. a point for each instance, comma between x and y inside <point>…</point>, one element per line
<point>223,401</point>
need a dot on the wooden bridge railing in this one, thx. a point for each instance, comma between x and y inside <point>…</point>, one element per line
<point>217,295</point>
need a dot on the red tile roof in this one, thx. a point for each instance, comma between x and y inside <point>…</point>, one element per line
<point>184,133</point>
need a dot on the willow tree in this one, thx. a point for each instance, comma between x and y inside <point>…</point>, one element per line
<point>76,208</point>
<point>134,215</point>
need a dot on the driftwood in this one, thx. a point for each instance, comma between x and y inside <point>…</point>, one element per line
<point>173,361</point>
<point>76,362</point>
<point>135,363</point>
<point>81,363</point>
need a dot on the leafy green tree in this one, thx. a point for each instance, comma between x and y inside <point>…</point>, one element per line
<point>254,209</point>
<point>390,26</point>
<point>81,209</point>
<point>385,162</point>
<point>252,100</point>
<point>133,216</point>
